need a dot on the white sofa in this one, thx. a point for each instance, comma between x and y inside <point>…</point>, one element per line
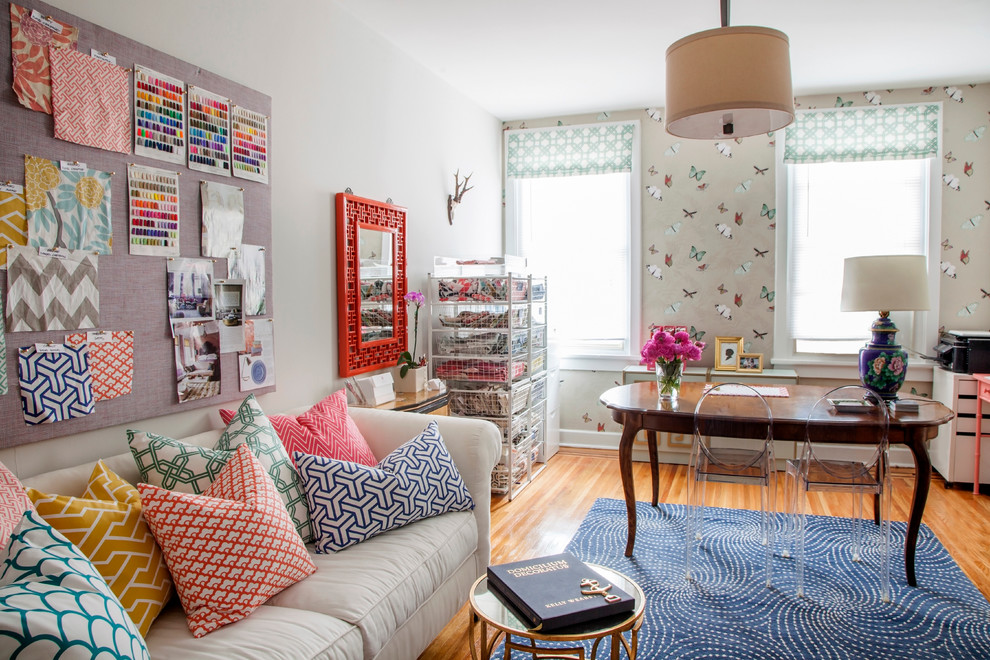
<point>386,597</point>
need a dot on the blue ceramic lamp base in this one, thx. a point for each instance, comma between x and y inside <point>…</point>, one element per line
<point>882,362</point>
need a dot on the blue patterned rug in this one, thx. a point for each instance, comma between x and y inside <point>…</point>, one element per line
<point>726,612</point>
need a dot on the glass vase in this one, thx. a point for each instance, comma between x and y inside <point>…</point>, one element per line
<point>669,379</point>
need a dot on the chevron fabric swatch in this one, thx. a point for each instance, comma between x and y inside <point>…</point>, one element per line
<point>67,207</point>
<point>111,361</point>
<point>30,42</point>
<point>13,503</point>
<point>54,604</point>
<point>251,427</point>
<point>51,293</point>
<point>229,549</point>
<point>349,503</point>
<point>91,101</point>
<point>324,430</point>
<point>175,465</point>
<point>112,533</point>
<point>13,223</point>
<point>54,386</point>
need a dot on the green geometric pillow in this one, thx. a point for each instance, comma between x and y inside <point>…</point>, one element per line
<point>175,465</point>
<point>53,603</point>
<point>251,427</point>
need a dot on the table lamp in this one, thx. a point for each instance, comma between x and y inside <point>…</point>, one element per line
<point>890,283</point>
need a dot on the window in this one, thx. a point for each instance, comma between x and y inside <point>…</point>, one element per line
<point>852,190</point>
<point>572,210</point>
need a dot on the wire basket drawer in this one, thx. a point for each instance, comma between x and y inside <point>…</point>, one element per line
<point>538,390</point>
<point>481,289</point>
<point>479,370</point>
<point>489,401</point>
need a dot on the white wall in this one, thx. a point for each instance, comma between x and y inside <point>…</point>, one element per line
<point>348,110</point>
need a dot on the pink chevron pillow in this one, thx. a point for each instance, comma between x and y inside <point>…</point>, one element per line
<point>14,501</point>
<point>324,430</point>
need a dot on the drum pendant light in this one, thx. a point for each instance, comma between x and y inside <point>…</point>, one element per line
<point>729,82</point>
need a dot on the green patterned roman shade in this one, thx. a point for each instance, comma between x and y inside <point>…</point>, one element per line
<point>569,150</point>
<point>894,132</point>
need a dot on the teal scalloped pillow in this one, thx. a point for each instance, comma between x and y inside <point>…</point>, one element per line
<point>54,604</point>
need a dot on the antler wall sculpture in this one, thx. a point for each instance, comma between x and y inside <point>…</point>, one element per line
<point>459,190</point>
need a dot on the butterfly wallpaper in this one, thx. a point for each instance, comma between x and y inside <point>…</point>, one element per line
<point>709,225</point>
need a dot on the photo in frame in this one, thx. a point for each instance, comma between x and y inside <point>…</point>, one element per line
<point>751,363</point>
<point>727,350</point>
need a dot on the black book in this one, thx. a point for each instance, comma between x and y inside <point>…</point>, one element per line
<point>547,591</point>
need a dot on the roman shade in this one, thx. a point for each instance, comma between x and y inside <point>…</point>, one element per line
<point>570,151</point>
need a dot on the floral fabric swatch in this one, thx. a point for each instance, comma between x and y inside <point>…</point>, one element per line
<point>57,292</point>
<point>223,218</point>
<point>56,385</point>
<point>111,361</point>
<point>30,40</point>
<point>13,222</point>
<point>91,101</point>
<point>65,208</point>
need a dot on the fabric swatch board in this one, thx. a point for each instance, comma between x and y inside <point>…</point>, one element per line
<point>111,361</point>
<point>13,220</point>
<point>32,37</point>
<point>91,101</point>
<point>51,292</point>
<point>55,382</point>
<point>68,205</point>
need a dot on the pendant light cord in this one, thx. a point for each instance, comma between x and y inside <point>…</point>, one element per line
<point>725,13</point>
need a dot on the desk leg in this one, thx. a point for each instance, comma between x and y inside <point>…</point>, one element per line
<point>631,426</point>
<point>979,440</point>
<point>922,482</point>
<point>651,441</point>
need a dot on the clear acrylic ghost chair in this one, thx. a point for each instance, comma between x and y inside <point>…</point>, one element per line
<point>815,470</point>
<point>733,442</point>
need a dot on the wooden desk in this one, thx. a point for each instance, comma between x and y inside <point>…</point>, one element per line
<point>636,407</point>
<point>423,401</point>
<point>982,394</point>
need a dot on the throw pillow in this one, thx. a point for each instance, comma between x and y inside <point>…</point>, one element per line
<point>324,430</point>
<point>229,549</point>
<point>251,427</point>
<point>13,503</point>
<point>107,526</point>
<point>349,503</point>
<point>54,604</point>
<point>175,465</point>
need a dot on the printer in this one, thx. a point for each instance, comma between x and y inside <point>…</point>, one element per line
<point>964,351</point>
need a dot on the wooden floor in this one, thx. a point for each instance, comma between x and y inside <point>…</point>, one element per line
<point>543,518</point>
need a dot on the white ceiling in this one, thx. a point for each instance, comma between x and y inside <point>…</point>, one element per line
<point>536,58</point>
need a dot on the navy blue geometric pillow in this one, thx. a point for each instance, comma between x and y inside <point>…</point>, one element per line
<point>350,502</point>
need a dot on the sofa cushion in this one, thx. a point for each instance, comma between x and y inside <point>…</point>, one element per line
<point>251,427</point>
<point>324,430</point>
<point>175,465</point>
<point>13,503</point>
<point>107,526</point>
<point>229,549</point>
<point>379,584</point>
<point>53,603</point>
<point>350,503</point>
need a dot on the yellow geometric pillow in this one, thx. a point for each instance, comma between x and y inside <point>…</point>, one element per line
<point>107,526</point>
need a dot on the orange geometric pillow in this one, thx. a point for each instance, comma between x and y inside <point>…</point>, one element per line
<point>229,549</point>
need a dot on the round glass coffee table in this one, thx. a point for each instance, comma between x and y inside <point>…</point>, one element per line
<point>489,611</point>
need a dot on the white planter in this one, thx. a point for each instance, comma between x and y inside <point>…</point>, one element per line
<point>414,381</point>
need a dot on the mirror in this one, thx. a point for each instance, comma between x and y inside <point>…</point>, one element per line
<point>371,284</point>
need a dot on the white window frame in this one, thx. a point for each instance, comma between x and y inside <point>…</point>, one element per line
<point>633,342</point>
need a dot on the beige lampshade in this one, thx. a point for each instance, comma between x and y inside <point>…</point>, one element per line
<point>731,75</point>
<point>885,283</point>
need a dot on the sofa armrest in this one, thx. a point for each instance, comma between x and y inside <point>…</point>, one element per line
<point>474,444</point>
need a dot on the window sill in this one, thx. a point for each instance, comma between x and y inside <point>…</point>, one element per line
<point>597,362</point>
<point>919,371</point>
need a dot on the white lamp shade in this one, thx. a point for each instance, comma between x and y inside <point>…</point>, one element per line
<point>730,75</point>
<point>885,283</point>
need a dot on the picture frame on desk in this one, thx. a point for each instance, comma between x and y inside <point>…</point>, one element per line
<point>727,351</point>
<point>750,363</point>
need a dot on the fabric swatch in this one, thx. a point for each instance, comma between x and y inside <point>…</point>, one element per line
<point>247,262</point>
<point>55,386</point>
<point>51,293</point>
<point>13,222</point>
<point>223,218</point>
<point>91,101</point>
<point>67,208</point>
<point>111,361</point>
<point>30,42</point>
<point>13,503</point>
<point>3,353</point>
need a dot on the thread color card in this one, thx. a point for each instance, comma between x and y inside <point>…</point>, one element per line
<point>209,132</point>
<point>159,116</point>
<point>249,144</point>
<point>154,211</point>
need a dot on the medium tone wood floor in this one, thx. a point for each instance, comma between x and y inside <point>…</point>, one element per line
<point>543,518</point>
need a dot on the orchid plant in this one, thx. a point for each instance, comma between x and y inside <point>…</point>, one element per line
<point>406,359</point>
<point>669,351</point>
